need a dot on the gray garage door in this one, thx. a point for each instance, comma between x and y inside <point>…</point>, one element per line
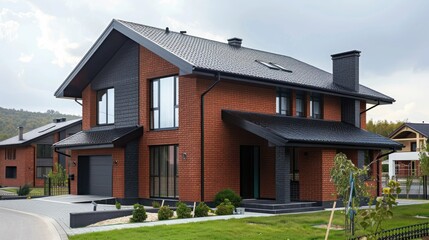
<point>95,175</point>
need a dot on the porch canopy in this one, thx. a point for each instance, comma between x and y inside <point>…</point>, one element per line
<point>100,138</point>
<point>285,131</point>
<point>303,132</point>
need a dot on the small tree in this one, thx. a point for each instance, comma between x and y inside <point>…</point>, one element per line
<point>408,184</point>
<point>58,175</point>
<point>424,168</point>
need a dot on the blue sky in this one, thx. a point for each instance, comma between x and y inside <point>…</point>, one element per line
<point>42,41</point>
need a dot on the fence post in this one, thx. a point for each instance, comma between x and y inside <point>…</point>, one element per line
<point>49,186</point>
<point>68,183</point>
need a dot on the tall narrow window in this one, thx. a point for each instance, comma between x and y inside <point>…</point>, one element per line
<point>10,154</point>
<point>44,151</point>
<point>316,106</point>
<point>164,171</point>
<point>283,103</point>
<point>300,104</point>
<point>106,106</point>
<point>165,103</point>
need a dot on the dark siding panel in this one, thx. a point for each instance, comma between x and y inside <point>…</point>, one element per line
<point>121,72</point>
<point>350,111</point>
<point>131,169</point>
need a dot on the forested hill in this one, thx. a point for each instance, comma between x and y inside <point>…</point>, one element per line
<point>11,119</point>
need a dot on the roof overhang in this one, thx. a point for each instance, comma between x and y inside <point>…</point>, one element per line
<point>110,138</point>
<point>300,132</point>
<point>113,37</point>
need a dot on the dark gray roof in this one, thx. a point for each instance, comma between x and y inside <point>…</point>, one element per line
<point>40,132</point>
<point>422,128</point>
<point>100,138</point>
<point>195,55</point>
<point>293,131</point>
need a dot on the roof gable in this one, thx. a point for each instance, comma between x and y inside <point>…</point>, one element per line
<point>422,128</point>
<point>198,55</point>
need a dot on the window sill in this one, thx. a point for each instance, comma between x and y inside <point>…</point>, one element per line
<point>164,129</point>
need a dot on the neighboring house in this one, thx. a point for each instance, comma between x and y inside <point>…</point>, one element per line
<point>28,157</point>
<point>169,115</point>
<point>414,137</point>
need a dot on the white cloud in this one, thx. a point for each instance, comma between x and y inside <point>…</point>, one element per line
<point>9,30</point>
<point>26,58</point>
<point>409,89</point>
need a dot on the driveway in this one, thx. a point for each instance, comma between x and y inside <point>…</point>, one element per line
<point>19,225</point>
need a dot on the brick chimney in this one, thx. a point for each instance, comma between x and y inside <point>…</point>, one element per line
<point>345,69</point>
<point>20,133</point>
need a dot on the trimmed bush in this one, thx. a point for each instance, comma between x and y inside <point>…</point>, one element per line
<point>118,205</point>
<point>23,190</point>
<point>139,213</point>
<point>201,210</point>
<point>183,211</point>
<point>225,208</point>
<point>165,213</point>
<point>227,194</point>
<point>156,204</point>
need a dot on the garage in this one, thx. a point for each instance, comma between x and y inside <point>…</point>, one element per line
<point>95,175</point>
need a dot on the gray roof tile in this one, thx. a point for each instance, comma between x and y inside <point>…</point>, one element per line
<point>293,130</point>
<point>40,132</point>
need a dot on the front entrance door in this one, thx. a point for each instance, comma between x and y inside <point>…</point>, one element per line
<point>249,172</point>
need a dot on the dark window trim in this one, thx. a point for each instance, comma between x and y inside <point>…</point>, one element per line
<point>43,149</point>
<point>39,177</point>
<point>316,98</point>
<point>158,108</point>
<point>10,154</point>
<point>302,96</point>
<point>107,107</point>
<point>7,174</point>
<point>286,94</point>
<point>158,174</point>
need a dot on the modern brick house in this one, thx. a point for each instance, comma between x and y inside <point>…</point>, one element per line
<point>169,115</point>
<point>414,137</point>
<point>28,157</point>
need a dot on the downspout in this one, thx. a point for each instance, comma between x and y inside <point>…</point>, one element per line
<point>61,153</point>
<point>366,110</point>
<point>75,99</point>
<point>202,133</point>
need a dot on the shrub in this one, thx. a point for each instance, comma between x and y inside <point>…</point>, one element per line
<point>183,211</point>
<point>156,204</point>
<point>202,210</point>
<point>227,194</point>
<point>139,213</point>
<point>165,213</point>
<point>225,208</point>
<point>118,205</point>
<point>24,190</point>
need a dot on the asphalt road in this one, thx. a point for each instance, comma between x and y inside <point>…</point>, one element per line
<point>16,225</point>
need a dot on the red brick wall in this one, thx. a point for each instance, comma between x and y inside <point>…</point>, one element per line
<point>89,108</point>
<point>118,168</point>
<point>332,108</point>
<point>24,163</point>
<point>328,188</point>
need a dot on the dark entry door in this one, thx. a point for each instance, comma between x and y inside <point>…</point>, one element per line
<point>249,172</point>
<point>95,175</point>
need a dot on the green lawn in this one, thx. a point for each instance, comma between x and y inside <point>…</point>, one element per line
<point>298,226</point>
<point>33,192</point>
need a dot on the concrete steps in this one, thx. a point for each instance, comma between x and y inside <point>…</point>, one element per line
<point>271,207</point>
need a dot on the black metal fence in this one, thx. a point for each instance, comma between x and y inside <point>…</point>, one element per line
<point>55,186</point>
<point>403,233</point>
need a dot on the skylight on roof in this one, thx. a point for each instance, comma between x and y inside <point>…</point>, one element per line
<point>44,130</point>
<point>273,66</point>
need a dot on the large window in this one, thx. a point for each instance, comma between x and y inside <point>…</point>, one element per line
<point>300,104</point>
<point>316,106</point>
<point>10,172</point>
<point>164,103</point>
<point>164,171</point>
<point>10,154</point>
<point>283,103</point>
<point>44,151</point>
<point>106,106</point>
<point>41,172</point>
